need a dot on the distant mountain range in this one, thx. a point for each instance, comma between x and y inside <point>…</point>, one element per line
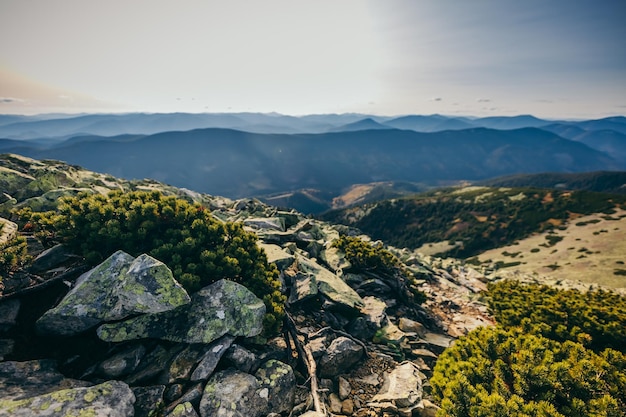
<point>234,155</point>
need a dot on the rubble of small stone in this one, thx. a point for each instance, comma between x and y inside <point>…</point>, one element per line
<point>123,338</point>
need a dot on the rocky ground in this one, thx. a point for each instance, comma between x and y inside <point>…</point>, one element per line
<point>125,338</point>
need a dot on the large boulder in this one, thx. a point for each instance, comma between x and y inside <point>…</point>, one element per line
<point>112,399</point>
<point>223,307</point>
<point>119,287</point>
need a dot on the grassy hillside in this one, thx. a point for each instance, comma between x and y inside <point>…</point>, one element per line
<point>473,219</point>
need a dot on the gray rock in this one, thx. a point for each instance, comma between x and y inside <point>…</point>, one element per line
<point>334,259</point>
<point>153,364</point>
<point>117,288</point>
<point>173,392</point>
<point>50,258</point>
<point>223,307</point>
<point>374,312</point>
<point>277,255</point>
<point>183,364</point>
<point>147,399</point>
<point>19,380</point>
<point>330,285</point>
<point>191,396</point>
<point>122,363</point>
<point>232,393</point>
<point>265,223</point>
<point>280,382</point>
<point>183,410</point>
<point>334,403</point>
<point>241,358</point>
<point>303,286</point>
<point>112,399</point>
<point>402,388</point>
<point>411,326</point>
<point>342,354</point>
<point>211,358</point>
<point>9,310</point>
<point>344,388</point>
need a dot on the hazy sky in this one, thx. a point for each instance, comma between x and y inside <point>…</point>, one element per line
<point>551,58</point>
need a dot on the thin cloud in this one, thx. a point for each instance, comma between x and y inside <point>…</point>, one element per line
<point>483,100</point>
<point>10,100</point>
<point>436,99</point>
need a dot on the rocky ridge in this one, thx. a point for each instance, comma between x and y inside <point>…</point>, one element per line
<point>352,343</point>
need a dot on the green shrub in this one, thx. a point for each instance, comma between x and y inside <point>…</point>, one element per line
<point>497,372</point>
<point>13,256</point>
<point>365,257</point>
<point>198,248</point>
<point>596,318</point>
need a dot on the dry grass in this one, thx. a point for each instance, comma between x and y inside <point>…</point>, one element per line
<point>592,249</point>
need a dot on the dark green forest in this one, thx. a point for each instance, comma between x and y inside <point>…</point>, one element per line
<point>478,219</point>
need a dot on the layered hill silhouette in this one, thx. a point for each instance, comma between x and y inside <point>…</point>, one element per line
<point>242,164</point>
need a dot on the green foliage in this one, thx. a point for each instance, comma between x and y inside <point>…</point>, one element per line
<point>497,372</point>
<point>365,257</point>
<point>198,248</point>
<point>481,219</point>
<point>13,256</point>
<point>595,318</point>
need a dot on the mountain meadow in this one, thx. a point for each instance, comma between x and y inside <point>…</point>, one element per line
<point>263,265</point>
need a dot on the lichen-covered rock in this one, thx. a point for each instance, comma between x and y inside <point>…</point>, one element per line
<point>223,307</point>
<point>232,393</point>
<point>280,381</point>
<point>148,399</point>
<point>183,410</point>
<point>112,399</point>
<point>192,396</point>
<point>117,288</point>
<point>342,354</point>
<point>330,285</point>
<point>183,364</point>
<point>19,380</point>
<point>122,363</point>
<point>153,364</point>
<point>211,357</point>
<point>241,359</point>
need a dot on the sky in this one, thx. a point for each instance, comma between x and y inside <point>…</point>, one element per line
<point>549,58</point>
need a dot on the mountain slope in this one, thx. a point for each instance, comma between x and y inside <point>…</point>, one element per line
<point>471,220</point>
<point>240,164</point>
